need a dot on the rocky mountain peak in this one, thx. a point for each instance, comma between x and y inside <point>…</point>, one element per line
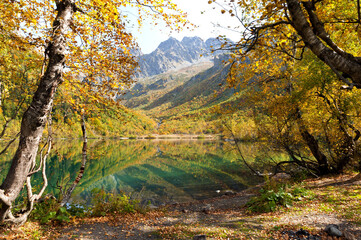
<point>172,54</point>
<point>170,43</point>
<point>192,41</point>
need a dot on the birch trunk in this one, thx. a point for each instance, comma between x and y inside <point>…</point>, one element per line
<point>35,117</point>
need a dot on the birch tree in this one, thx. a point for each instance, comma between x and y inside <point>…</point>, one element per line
<point>86,45</point>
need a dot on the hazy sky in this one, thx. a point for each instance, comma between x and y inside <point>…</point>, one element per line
<point>150,36</point>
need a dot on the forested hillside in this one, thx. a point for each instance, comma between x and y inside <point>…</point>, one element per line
<point>188,93</point>
<point>177,82</point>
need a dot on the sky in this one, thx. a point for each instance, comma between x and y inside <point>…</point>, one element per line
<point>150,36</point>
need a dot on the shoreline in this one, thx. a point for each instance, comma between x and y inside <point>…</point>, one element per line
<point>153,137</point>
<point>335,201</point>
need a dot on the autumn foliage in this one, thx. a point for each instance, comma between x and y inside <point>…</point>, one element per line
<point>296,59</point>
<point>86,47</point>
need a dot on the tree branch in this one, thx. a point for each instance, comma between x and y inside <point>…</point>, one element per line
<point>320,30</point>
<point>349,65</point>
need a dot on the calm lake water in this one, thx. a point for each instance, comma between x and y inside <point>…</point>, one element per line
<point>155,171</point>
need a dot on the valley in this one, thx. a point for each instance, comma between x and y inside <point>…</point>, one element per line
<point>182,84</point>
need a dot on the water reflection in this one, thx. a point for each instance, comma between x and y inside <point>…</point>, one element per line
<point>156,171</point>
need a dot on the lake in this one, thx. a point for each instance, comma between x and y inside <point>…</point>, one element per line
<point>153,171</point>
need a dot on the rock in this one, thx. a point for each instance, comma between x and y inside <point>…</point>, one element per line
<point>185,211</point>
<point>229,193</point>
<point>302,232</point>
<point>171,54</point>
<point>333,230</point>
<point>200,237</point>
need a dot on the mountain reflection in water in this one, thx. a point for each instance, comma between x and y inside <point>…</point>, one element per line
<point>155,171</point>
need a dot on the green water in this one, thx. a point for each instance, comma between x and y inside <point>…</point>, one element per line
<point>155,171</point>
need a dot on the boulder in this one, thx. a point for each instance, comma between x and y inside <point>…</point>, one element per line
<point>333,230</point>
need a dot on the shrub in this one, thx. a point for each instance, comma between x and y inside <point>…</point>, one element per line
<point>269,200</point>
<point>50,210</point>
<point>78,210</point>
<point>104,203</point>
<point>273,196</point>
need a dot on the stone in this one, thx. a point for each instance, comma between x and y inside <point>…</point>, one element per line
<point>302,232</point>
<point>229,193</point>
<point>333,230</point>
<point>200,237</point>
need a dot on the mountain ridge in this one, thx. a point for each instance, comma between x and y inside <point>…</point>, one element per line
<point>172,54</point>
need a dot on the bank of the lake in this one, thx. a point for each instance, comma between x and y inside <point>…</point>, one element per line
<point>178,137</point>
<point>335,201</point>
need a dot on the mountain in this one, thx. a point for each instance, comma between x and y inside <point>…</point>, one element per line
<point>174,54</point>
<point>202,84</point>
<point>182,90</point>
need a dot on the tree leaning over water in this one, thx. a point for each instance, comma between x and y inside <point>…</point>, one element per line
<point>86,47</point>
<point>275,34</point>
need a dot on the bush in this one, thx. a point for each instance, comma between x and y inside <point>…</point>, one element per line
<point>269,200</point>
<point>273,197</point>
<point>104,203</point>
<point>78,210</point>
<point>50,210</point>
